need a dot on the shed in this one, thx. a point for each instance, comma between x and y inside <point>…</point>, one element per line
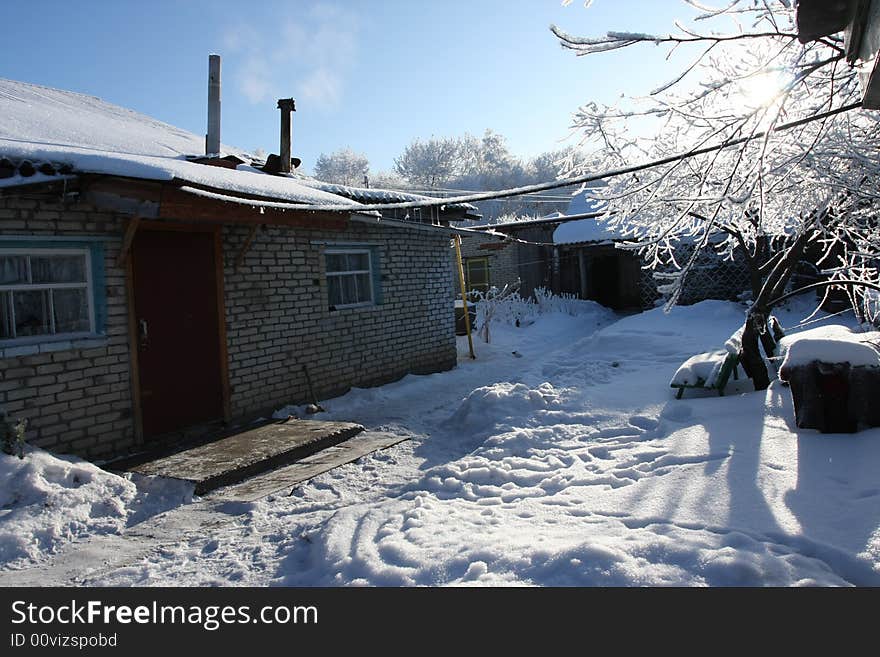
<point>148,292</point>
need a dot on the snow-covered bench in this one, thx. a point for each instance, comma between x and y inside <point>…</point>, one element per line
<point>712,370</point>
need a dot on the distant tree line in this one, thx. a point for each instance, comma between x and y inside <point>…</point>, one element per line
<point>441,166</point>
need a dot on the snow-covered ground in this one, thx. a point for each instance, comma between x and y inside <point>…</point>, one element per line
<point>558,457</point>
<point>47,501</point>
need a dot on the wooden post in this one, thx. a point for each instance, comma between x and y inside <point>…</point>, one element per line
<point>555,285</point>
<point>239,260</point>
<point>467,320</point>
<point>582,265</point>
<point>127,239</point>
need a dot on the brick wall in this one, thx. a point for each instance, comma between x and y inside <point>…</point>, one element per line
<point>503,261</point>
<point>278,318</point>
<point>76,396</point>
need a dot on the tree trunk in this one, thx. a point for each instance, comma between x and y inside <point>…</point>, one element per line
<point>750,356</point>
<point>767,341</point>
<point>754,262</point>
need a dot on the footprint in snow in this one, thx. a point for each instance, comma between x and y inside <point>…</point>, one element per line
<point>677,411</point>
<point>642,422</point>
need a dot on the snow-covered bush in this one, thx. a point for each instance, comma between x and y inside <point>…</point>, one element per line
<point>559,303</point>
<point>871,307</point>
<point>508,307</point>
<point>490,302</point>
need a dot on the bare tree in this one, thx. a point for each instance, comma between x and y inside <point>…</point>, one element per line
<point>775,192</point>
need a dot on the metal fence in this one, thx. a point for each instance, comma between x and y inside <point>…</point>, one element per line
<point>710,277</point>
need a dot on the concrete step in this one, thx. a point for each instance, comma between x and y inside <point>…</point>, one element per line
<point>289,476</point>
<point>235,457</point>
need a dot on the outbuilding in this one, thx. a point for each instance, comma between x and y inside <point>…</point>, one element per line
<point>149,292</point>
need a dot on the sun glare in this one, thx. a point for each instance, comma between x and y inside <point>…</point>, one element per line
<point>762,89</point>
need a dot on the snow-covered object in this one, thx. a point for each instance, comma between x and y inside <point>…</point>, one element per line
<point>377,195</point>
<point>41,124</point>
<point>583,230</point>
<point>702,367</point>
<point>831,344</point>
<point>733,345</point>
<point>48,500</point>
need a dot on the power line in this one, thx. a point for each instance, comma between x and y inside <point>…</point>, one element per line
<point>443,190</point>
<point>528,189</point>
<point>567,182</point>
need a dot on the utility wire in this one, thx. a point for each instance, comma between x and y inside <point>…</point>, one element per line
<point>565,182</point>
<point>547,198</point>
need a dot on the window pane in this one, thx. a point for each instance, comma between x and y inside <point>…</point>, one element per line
<point>31,312</point>
<point>5,316</point>
<point>349,289</point>
<point>334,290</point>
<point>58,269</point>
<point>336,262</point>
<point>358,261</point>
<point>71,310</point>
<point>477,274</point>
<point>13,269</point>
<point>364,288</point>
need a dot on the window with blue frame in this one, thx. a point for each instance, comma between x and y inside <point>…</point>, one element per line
<point>50,291</point>
<point>352,277</point>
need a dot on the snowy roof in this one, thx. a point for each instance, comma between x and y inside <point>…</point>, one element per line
<point>586,229</point>
<point>577,224</point>
<point>377,195</point>
<point>88,135</point>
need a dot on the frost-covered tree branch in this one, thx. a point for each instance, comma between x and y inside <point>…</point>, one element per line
<point>775,194</point>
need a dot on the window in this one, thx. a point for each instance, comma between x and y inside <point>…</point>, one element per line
<point>45,293</point>
<point>476,274</point>
<point>350,279</point>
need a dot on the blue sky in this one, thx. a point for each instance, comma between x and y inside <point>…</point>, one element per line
<point>370,75</point>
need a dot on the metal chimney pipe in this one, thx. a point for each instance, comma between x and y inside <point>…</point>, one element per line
<point>212,140</point>
<point>287,107</point>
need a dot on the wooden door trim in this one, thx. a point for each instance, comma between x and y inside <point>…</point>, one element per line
<point>134,367</point>
<point>225,389</point>
<point>178,227</point>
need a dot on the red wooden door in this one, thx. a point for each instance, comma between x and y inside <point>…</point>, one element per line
<point>178,330</point>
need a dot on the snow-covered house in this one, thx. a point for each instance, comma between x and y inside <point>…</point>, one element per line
<point>146,289</point>
<point>573,252</point>
<point>592,267</point>
<point>566,252</point>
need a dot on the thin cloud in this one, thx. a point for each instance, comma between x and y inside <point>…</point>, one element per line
<point>254,79</point>
<point>311,56</point>
<point>322,87</point>
<point>240,38</point>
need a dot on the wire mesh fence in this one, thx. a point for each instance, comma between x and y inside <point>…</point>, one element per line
<point>710,277</point>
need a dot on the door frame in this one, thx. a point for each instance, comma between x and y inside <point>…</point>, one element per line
<point>223,351</point>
